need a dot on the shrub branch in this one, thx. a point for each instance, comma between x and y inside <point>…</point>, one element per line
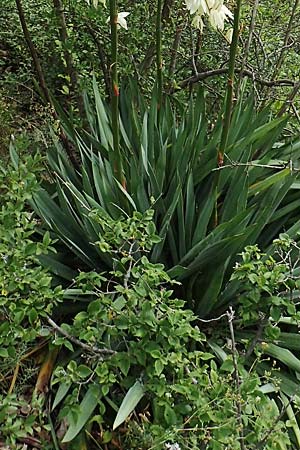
<point>86,347</point>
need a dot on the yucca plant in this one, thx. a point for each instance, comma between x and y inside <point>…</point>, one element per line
<point>169,164</point>
<point>267,321</point>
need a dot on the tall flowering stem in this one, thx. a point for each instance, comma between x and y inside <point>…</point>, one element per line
<point>115,91</point>
<point>230,82</point>
<point>228,102</point>
<point>159,53</point>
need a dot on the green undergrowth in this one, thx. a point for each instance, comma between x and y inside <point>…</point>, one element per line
<point>133,365</point>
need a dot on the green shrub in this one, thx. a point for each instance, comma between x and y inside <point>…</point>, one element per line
<point>26,297</point>
<point>25,287</point>
<point>138,348</point>
<point>131,345</point>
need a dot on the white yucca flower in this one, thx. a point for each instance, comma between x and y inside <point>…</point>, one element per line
<point>175,446</point>
<point>121,21</point>
<point>211,4</point>
<point>196,5</point>
<point>94,3</point>
<point>228,35</point>
<point>218,16</point>
<point>197,22</point>
<point>215,10</point>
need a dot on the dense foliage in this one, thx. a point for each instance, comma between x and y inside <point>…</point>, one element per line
<point>132,335</point>
<point>149,261</point>
<point>272,58</point>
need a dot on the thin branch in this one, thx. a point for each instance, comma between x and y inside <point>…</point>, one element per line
<point>260,43</point>
<point>86,347</point>
<point>70,66</point>
<point>249,40</point>
<point>102,58</point>
<point>128,273</point>
<point>289,99</point>
<point>261,444</point>
<point>230,317</point>
<point>284,165</point>
<point>193,55</point>
<point>245,73</point>
<point>256,338</point>
<point>174,51</point>
<point>286,39</point>
<point>33,53</point>
<point>295,112</point>
<point>215,319</point>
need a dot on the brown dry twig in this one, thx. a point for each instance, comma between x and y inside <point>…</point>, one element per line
<point>245,73</point>
<point>86,347</point>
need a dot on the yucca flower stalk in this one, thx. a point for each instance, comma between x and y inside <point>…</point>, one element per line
<point>159,54</point>
<point>228,101</point>
<point>117,161</point>
<point>230,82</point>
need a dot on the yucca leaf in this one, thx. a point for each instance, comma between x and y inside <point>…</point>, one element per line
<point>62,391</point>
<point>289,340</point>
<point>293,423</point>
<point>13,155</point>
<point>211,290</point>
<point>181,228</point>
<point>283,355</point>
<point>52,263</point>
<point>103,122</point>
<point>228,229</point>
<point>165,224</point>
<point>268,182</point>
<point>190,211</point>
<point>86,409</point>
<point>130,401</point>
<point>128,197</point>
<point>219,352</point>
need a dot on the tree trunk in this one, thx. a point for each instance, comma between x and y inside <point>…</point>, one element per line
<point>33,52</point>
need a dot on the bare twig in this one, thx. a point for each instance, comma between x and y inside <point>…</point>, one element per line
<point>33,53</point>
<point>245,73</point>
<point>215,319</point>
<point>289,99</point>
<point>86,347</point>
<point>102,59</point>
<point>295,112</point>
<point>284,165</point>
<point>259,41</point>
<point>256,338</point>
<point>286,39</point>
<point>261,444</point>
<point>128,273</point>
<point>174,51</point>
<point>193,55</point>
<point>230,317</point>
<point>249,40</point>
